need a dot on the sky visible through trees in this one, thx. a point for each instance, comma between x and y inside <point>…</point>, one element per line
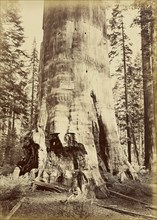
<point>35,18</point>
<point>77,103</point>
<point>31,23</point>
<point>32,14</point>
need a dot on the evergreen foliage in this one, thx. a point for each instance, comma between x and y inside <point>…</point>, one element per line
<point>147,21</point>
<point>13,99</point>
<point>34,65</point>
<point>133,77</point>
<point>128,89</point>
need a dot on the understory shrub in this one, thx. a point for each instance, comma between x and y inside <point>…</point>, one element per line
<point>11,188</point>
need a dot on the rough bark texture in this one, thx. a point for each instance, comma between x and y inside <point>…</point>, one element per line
<point>75,94</point>
<point>154,72</point>
<point>146,16</point>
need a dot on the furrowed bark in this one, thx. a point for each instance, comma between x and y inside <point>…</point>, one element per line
<point>76,119</point>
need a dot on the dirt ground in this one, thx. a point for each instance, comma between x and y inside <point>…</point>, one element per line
<point>48,205</point>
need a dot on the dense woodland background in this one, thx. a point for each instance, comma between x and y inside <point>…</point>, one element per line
<point>133,73</point>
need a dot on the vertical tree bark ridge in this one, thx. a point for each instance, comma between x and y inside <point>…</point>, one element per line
<point>75,89</point>
<point>39,138</point>
<point>154,75</point>
<point>126,97</point>
<point>146,18</point>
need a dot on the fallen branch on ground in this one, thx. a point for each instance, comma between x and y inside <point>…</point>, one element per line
<point>51,187</point>
<point>15,208</point>
<point>132,199</point>
<point>127,212</point>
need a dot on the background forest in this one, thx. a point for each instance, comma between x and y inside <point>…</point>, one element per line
<point>132,68</point>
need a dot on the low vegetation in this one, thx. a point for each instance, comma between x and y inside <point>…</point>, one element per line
<point>11,188</point>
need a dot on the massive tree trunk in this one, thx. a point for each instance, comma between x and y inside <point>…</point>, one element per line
<point>146,19</point>
<point>154,73</point>
<point>76,119</point>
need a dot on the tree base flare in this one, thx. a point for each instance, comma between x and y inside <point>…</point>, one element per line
<point>67,166</point>
<point>101,192</point>
<point>128,173</point>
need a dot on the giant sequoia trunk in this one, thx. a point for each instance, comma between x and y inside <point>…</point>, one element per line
<point>146,19</point>
<point>76,129</point>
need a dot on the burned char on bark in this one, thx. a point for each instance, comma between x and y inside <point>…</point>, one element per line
<point>73,148</point>
<point>55,145</point>
<point>76,151</point>
<point>29,159</point>
<point>101,140</point>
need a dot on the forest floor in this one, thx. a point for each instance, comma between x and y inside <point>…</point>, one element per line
<point>48,205</point>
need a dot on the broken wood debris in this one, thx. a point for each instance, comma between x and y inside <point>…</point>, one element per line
<point>51,187</point>
<point>124,211</point>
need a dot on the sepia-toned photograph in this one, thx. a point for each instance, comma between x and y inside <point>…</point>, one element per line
<point>78,97</point>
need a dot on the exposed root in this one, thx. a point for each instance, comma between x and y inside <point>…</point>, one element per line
<point>101,192</point>
<point>127,172</point>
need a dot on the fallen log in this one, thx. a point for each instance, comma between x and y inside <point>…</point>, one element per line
<point>146,192</point>
<point>132,199</point>
<point>15,208</point>
<point>127,212</point>
<point>51,187</point>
